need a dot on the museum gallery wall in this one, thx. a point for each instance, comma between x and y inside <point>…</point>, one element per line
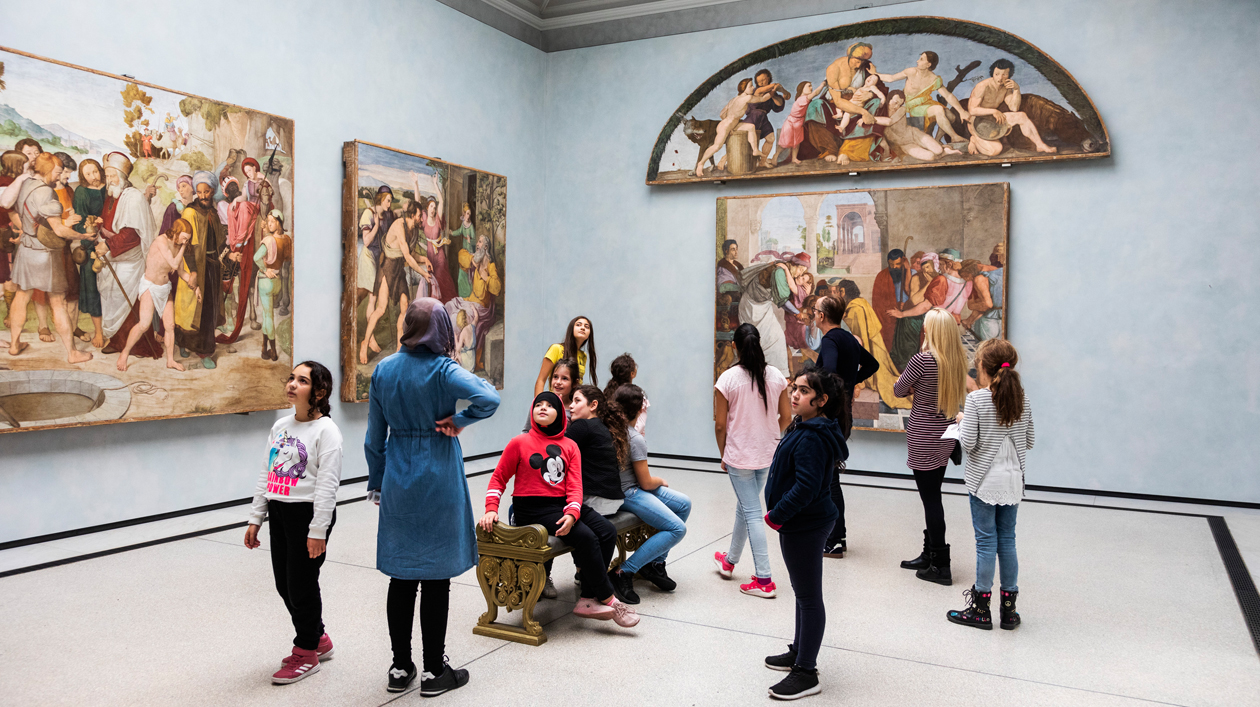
<point>415,226</point>
<point>892,254</point>
<point>161,227</point>
<point>891,94</point>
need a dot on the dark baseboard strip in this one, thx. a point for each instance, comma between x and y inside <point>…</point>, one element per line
<point>62,535</point>
<point>1239,577</point>
<point>1031,487</point>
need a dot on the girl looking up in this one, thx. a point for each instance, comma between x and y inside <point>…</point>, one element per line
<point>996,427</point>
<point>297,494</point>
<point>751,409</point>
<point>580,335</point>
<point>651,499</point>
<point>798,494</point>
<point>548,491</point>
<point>937,377</point>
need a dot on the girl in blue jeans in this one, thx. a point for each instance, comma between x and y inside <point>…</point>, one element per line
<point>996,428</point>
<point>650,498</point>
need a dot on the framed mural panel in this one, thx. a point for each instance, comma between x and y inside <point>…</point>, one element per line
<point>146,250</point>
<point>893,254</point>
<point>946,93</point>
<point>416,226</point>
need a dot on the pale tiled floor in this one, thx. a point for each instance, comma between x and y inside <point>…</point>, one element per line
<point>1120,607</point>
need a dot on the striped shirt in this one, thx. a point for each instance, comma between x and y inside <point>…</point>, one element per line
<point>925,448</point>
<point>982,436</point>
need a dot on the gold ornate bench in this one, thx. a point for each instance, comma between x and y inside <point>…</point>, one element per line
<point>511,572</point>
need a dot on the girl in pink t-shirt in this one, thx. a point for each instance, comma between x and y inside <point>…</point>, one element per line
<point>792,134</point>
<point>751,409</point>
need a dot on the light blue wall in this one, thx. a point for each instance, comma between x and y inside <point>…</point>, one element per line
<point>1133,289</point>
<point>1132,286</point>
<point>411,74</point>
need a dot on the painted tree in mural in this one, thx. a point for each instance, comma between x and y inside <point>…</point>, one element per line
<point>135,104</point>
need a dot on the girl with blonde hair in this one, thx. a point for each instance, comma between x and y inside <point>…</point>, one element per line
<point>937,377</point>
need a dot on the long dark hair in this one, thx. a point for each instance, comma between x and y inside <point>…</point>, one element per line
<point>612,418</point>
<point>629,398</point>
<point>752,357</point>
<point>571,348</point>
<point>997,358</point>
<point>824,382</point>
<point>622,370</point>
<point>321,385</point>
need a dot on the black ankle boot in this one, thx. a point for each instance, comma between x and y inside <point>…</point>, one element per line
<point>977,613</point>
<point>1010,618</point>
<point>938,567</point>
<point>920,562</point>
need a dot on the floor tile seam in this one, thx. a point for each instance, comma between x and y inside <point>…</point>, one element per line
<point>698,549</point>
<point>915,661</point>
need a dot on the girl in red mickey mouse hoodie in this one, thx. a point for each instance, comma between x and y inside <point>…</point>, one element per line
<point>548,492</point>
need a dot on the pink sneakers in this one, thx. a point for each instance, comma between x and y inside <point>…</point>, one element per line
<point>623,615</point>
<point>325,648</point>
<point>757,589</point>
<point>588,608</point>
<point>724,568</point>
<point>297,666</point>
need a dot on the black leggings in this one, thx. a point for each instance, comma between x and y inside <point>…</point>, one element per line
<point>400,611</point>
<point>839,532</point>
<point>297,575</point>
<point>929,483</point>
<point>592,538</point>
<point>803,555</point>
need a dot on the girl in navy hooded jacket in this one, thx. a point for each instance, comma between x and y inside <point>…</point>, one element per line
<point>798,494</point>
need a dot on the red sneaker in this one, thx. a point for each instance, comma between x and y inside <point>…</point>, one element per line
<point>325,648</point>
<point>724,568</point>
<point>757,589</point>
<point>297,666</point>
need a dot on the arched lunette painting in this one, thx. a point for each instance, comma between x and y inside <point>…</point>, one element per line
<point>890,94</point>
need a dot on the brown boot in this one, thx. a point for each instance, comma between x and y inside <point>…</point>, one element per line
<point>265,354</point>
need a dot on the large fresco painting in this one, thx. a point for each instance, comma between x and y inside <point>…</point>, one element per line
<point>146,249</point>
<point>891,94</point>
<point>416,226</point>
<point>893,254</point>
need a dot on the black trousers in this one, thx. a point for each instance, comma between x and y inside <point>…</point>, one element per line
<point>400,611</point>
<point>297,575</point>
<point>803,555</point>
<point>929,483</point>
<point>839,532</point>
<point>592,538</point>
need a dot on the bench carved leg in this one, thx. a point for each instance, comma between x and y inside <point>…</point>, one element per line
<point>511,584</point>
<point>631,539</point>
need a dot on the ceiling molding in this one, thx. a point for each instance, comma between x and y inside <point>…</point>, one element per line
<point>576,15</point>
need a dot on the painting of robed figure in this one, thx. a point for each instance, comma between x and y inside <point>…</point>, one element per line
<point>890,254</point>
<point>146,250</point>
<point>415,226</point>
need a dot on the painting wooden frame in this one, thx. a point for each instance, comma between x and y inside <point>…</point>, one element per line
<point>1065,113</point>
<point>201,138</point>
<point>962,231</point>
<point>471,243</point>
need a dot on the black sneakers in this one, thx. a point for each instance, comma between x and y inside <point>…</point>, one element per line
<point>783,661</point>
<point>623,587</point>
<point>799,683</point>
<point>450,679</point>
<point>836,549</point>
<point>654,572</point>
<point>401,678</point>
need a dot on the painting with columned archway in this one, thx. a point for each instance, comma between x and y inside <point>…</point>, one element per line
<point>889,94</point>
<point>892,254</point>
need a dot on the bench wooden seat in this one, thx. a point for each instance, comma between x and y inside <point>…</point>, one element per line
<point>512,576</point>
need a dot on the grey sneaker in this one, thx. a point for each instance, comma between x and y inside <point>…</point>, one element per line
<point>549,591</point>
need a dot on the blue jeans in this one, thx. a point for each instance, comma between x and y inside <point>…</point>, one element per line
<point>749,525</point>
<point>995,539</point>
<point>663,509</point>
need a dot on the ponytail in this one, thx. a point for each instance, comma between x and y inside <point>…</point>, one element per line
<point>752,357</point>
<point>997,358</point>
<point>622,370</point>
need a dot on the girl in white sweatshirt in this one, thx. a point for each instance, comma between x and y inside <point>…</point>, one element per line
<point>297,489</point>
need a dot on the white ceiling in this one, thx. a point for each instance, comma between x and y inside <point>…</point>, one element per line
<point>555,14</point>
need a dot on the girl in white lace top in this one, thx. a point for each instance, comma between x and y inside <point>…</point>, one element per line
<point>996,430</point>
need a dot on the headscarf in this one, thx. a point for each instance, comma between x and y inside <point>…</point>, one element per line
<point>557,425</point>
<point>203,177</point>
<point>429,326</point>
<point>936,261</point>
<point>184,178</point>
<point>952,254</point>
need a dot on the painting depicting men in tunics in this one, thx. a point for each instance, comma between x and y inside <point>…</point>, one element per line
<point>145,250</point>
<point>890,254</point>
<point>891,94</point>
<point>420,227</point>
